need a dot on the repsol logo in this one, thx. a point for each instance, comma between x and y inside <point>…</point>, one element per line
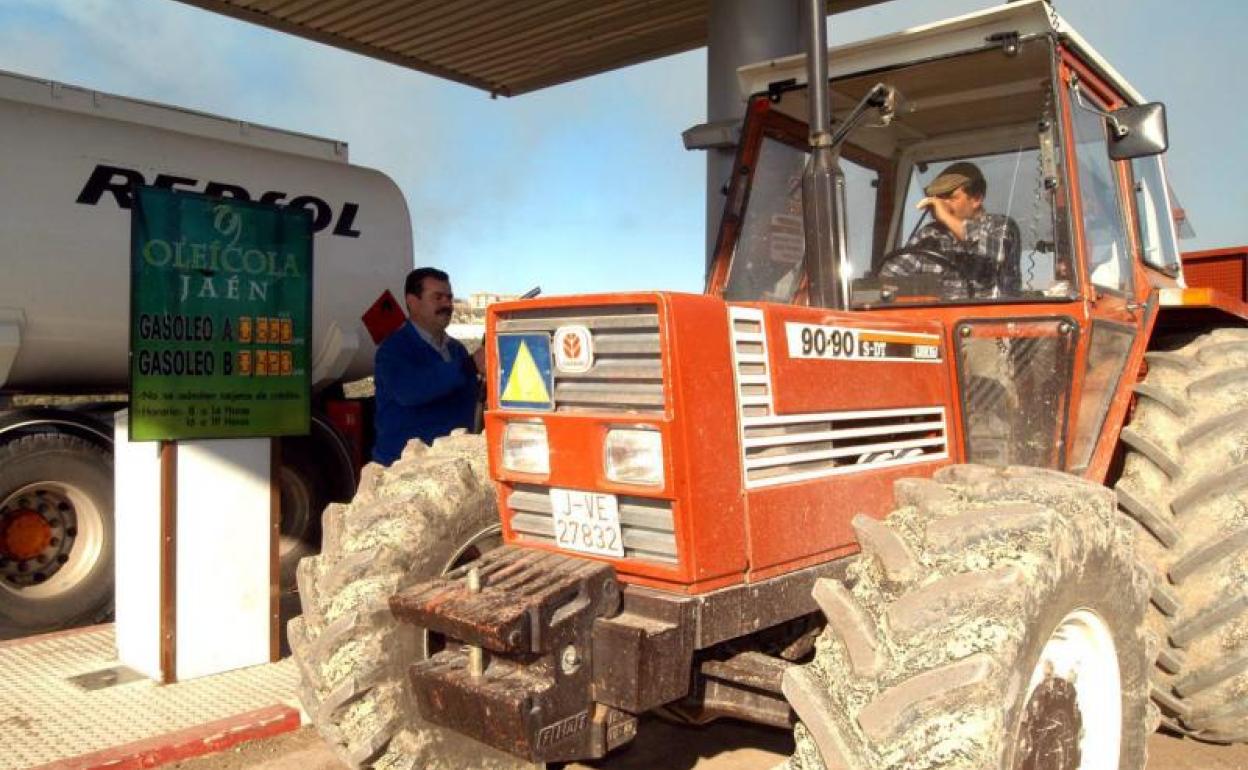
<point>120,182</point>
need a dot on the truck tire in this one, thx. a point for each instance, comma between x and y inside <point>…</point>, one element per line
<point>1185,484</point>
<point>315,471</point>
<point>57,541</point>
<point>303,501</point>
<point>995,622</point>
<point>434,508</point>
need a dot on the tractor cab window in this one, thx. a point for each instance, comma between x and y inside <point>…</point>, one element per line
<point>1156,231</point>
<point>956,199</point>
<point>768,264</point>
<point>994,240</point>
<point>1104,223</point>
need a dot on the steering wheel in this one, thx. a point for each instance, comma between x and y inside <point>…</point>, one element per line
<point>947,267</point>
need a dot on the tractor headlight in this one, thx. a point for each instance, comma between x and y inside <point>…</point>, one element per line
<point>634,456</point>
<point>525,448</point>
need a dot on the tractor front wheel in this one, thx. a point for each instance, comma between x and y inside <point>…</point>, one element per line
<point>430,511</point>
<point>995,622</point>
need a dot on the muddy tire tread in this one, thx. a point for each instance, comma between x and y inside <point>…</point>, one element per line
<point>1152,450</point>
<point>854,627</point>
<point>887,715</point>
<point>1169,400</point>
<point>1208,620</point>
<point>404,525</point>
<point>1208,553</point>
<point>896,558</point>
<point>1236,420</point>
<point>1196,681</point>
<point>942,644</point>
<point>1184,481</point>
<point>1157,522</point>
<point>1230,481</point>
<point>933,603</point>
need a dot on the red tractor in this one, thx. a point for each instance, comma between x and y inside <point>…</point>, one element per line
<point>694,491</point>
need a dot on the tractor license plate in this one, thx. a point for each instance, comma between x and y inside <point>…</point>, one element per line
<point>588,522</point>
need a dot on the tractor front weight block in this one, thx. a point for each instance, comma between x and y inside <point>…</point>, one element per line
<point>516,671</point>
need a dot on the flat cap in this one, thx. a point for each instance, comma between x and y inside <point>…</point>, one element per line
<point>954,176</point>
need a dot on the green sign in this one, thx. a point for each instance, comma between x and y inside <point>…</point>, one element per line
<point>220,318</point>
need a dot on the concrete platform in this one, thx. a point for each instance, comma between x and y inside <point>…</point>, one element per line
<point>66,703</point>
<point>660,745</point>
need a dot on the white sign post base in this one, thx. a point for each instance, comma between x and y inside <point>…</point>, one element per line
<point>196,555</point>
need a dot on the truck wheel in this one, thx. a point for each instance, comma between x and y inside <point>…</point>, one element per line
<point>316,470</point>
<point>431,510</point>
<point>1185,483</point>
<point>300,531</point>
<point>56,534</point>
<point>995,622</point>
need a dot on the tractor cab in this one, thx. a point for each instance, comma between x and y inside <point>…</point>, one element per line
<point>986,108</point>
<point>1059,236</point>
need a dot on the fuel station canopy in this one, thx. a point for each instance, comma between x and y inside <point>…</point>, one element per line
<point>506,48</point>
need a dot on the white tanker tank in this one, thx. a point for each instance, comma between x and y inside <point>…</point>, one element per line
<point>69,158</point>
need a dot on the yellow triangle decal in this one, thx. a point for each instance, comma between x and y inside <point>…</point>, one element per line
<point>525,383</point>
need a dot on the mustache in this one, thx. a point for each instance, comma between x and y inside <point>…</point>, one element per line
<point>445,311</point>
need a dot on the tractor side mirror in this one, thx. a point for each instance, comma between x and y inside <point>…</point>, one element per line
<point>1137,131</point>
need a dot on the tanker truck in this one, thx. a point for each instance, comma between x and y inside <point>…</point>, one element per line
<point>69,161</point>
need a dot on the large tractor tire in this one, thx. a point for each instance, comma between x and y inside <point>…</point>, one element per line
<point>57,541</point>
<point>433,509</point>
<point>1185,482</point>
<point>995,622</point>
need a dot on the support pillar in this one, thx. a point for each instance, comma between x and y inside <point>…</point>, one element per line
<point>739,32</point>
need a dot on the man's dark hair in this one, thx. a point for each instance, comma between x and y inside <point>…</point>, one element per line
<point>977,187</point>
<point>415,283</point>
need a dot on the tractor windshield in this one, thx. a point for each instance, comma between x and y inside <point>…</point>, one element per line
<point>956,199</point>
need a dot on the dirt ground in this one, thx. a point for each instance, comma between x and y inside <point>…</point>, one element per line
<point>722,746</point>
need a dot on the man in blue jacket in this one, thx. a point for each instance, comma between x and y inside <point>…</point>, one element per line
<point>426,382</point>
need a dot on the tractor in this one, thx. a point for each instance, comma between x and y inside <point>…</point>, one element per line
<point>924,510</point>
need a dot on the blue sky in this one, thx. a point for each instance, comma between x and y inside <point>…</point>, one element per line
<point>586,186</point>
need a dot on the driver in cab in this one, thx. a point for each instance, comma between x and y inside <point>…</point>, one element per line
<point>983,247</point>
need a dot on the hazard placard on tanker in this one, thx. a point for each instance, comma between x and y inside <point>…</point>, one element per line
<point>849,344</point>
<point>526,378</point>
<point>221,312</point>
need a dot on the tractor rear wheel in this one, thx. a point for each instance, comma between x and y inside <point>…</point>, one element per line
<point>995,622</point>
<point>430,511</point>
<point>1185,483</point>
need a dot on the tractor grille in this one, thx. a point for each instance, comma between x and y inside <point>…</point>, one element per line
<point>749,358</point>
<point>780,450</point>
<point>646,524</point>
<point>627,375</point>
